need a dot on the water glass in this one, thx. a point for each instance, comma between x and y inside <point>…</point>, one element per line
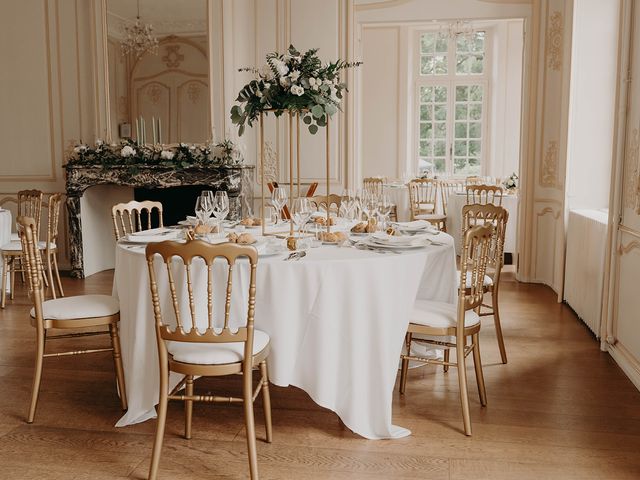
<point>279,199</point>
<point>301,211</point>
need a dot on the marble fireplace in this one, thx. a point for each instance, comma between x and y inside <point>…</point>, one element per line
<point>91,230</point>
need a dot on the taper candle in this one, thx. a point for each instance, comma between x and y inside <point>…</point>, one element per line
<point>153,129</point>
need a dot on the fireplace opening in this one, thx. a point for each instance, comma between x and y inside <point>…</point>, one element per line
<point>177,202</point>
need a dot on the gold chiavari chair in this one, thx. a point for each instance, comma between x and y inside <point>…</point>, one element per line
<point>50,246</point>
<point>29,205</point>
<point>128,217</point>
<point>320,202</point>
<point>448,187</point>
<point>215,350</point>
<point>374,184</point>
<point>484,194</point>
<point>423,197</point>
<point>497,217</point>
<point>473,180</point>
<point>437,319</point>
<point>69,313</point>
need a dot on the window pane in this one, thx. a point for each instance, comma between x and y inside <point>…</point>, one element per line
<point>475,111</point>
<point>474,166</point>
<point>460,148</point>
<point>475,130</point>
<point>462,64</point>
<point>440,112</point>
<point>425,149</point>
<point>427,42</point>
<point>426,94</point>
<point>439,165</point>
<point>440,94</point>
<point>442,44</point>
<point>470,54</point>
<point>459,165</point>
<point>462,45</point>
<point>425,130</point>
<point>440,65</point>
<point>461,130</point>
<point>475,93</point>
<point>462,93</point>
<point>477,45</point>
<point>477,63</point>
<point>426,112</point>
<point>440,130</point>
<point>461,112</point>
<point>474,148</point>
<point>426,65</point>
<point>439,148</point>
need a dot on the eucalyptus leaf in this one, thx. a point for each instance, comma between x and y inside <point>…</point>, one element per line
<point>313,129</point>
<point>307,119</point>
<point>317,111</point>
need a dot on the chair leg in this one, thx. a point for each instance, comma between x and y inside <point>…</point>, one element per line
<point>12,270</point>
<point>496,321</point>
<point>266,400</point>
<point>447,352</point>
<point>462,380</point>
<point>247,393</point>
<point>188,407</point>
<point>405,364</point>
<point>477,364</point>
<point>5,271</point>
<point>50,275</point>
<point>37,374</point>
<point>55,266</point>
<point>117,360</point>
<point>162,419</point>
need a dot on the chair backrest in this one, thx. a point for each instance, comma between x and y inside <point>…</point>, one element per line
<point>497,217</point>
<point>320,202</point>
<point>473,180</point>
<point>30,205</point>
<point>180,256</point>
<point>484,194</point>
<point>447,187</point>
<point>27,228</point>
<point>374,184</point>
<point>423,194</point>
<point>128,217</point>
<point>53,217</point>
<point>473,265</point>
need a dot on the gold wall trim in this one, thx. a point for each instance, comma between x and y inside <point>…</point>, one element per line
<point>380,4</point>
<point>624,249</point>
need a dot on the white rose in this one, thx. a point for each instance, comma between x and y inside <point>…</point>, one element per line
<point>297,90</point>
<point>281,67</point>
<point>127,151</point>
<point>312,81</point>
<point>284,82</point>
<point>258,93</point>
<point>80,149</point>
<point>267,85</point>
<point>99,142</point>
<point>266,72</point>
<point>294,75</point>
<point>167,155</point>
<point>328,82</point>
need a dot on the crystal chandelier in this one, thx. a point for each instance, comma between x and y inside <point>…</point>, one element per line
<point>139,38</point>
<point>457,29</point>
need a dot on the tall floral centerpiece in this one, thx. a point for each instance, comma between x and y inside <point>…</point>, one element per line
<point>299,84</point>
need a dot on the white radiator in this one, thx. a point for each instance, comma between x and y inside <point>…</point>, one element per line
<point>584,269</point>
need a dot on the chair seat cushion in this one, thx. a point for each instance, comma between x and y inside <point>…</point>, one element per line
<point>440,315</point>
<point>430,216</point>
<point>488,281</point>
<point>78,307</point>
<point>215,353</point>
<point>16,246</point>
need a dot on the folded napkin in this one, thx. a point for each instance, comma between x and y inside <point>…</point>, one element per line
<point>153,231</point>
<point>415,226</point>
<point>382,238</point>
<point>153,235</point>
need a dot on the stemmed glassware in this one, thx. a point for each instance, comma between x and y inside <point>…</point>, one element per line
<point>279,200</point>
<point>301,211</point>
<point>204,208</point>
<point>384,209</point>
<point>221,207</point>
<point>348,204</point>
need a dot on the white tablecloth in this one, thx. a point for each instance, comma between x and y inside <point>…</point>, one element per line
<point>454,220</point>
<point>399,195</point>
<point>5,235</point>
<point>336,318</point>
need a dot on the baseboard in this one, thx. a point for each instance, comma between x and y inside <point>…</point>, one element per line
<point>626,362</point>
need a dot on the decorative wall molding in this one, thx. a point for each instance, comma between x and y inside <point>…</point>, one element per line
<point>380,4</point>
<point>624,249</point>
<point>554,41</point>
<point>549,166</point>
<point>271,164</point>
<point>631,178</point>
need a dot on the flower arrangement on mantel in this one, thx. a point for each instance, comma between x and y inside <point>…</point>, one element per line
<point>128,153</point>
<point>292,82</point>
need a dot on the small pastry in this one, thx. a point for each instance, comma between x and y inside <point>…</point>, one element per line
<point>202,229</point>
<point>371,226</point>
<point>320,220</point>
<point>247,222</point>
<point>391,231</point>
<point>340,236</point>
<point>246,239</point>
<point>292,243</point>
<point>257,222</point>
<point>328,237</point>
<point>359,227</point>
<point>232,237</point>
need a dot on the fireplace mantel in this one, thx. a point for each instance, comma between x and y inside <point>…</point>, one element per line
<point>236,180</point>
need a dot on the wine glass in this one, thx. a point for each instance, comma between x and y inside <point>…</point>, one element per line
<point>301,211</point>
<point>384,208</point>
<point>221,207</point>
<point>347,204</point>
<point>203,209</point>
<point>279,199</point>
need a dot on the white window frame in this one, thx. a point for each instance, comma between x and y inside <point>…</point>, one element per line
<point>451,81</point>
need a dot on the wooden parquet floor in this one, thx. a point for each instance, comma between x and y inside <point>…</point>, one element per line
<point>560,409</point>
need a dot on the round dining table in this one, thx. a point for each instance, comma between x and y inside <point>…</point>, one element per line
<point>336,319</point>
<point>5,235</point>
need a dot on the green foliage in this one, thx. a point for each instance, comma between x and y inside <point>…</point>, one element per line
<point>292,82</point>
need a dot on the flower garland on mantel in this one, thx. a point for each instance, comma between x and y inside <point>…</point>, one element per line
<point>292,82</point>
<point>128,153</point>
